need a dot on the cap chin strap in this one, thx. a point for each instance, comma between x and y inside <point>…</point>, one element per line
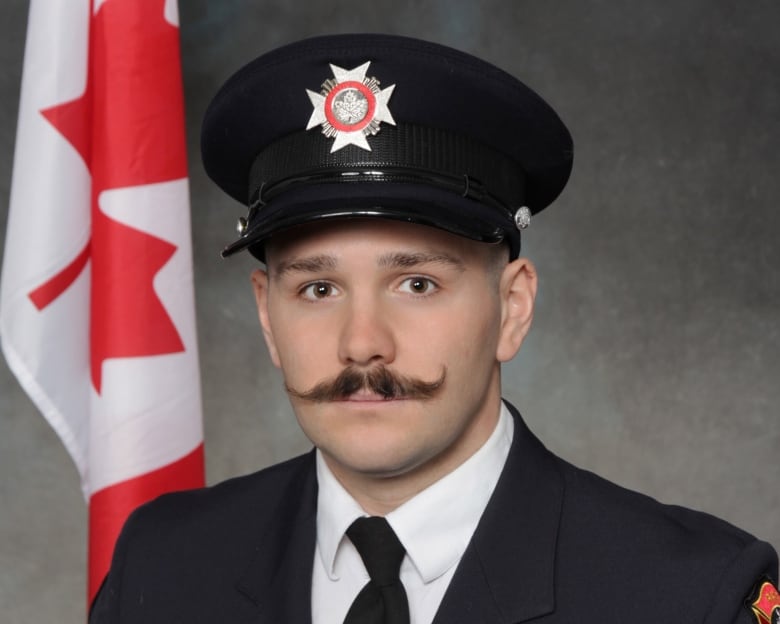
<point>250,240</point>
<point>465,186</point>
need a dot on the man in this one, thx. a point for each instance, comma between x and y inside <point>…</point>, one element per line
<point>388,180</point>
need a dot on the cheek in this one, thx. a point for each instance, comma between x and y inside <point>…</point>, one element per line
<point>463,339</point>
<point>306,348</point>
<point>473,355</point>
<point>464,331</point>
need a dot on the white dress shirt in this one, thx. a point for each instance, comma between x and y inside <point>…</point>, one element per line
<point>435,527</point>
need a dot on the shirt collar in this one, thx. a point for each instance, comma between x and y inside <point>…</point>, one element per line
<point>336,511</point>
<point>436,525</point>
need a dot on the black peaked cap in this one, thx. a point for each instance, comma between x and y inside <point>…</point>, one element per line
<point>466,145</point>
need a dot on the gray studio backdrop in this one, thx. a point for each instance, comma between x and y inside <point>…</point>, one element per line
<point>655,353</point>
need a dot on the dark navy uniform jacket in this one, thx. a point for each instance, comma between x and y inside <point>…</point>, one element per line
<point>555,545</point>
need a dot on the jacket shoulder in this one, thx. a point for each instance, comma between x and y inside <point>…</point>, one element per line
<point>629,539</point>
<point>257,494</point>
<point>181,556</point>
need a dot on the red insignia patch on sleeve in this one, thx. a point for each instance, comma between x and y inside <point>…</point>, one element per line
<point>766,607</point>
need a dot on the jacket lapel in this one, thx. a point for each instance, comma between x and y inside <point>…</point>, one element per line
<point>507,573</point>
<point>278,578</point>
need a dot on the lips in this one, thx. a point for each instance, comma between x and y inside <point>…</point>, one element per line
<point>364,396</point>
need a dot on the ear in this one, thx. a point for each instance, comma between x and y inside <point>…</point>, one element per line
<point>260,285</point>
<point>517,289</point>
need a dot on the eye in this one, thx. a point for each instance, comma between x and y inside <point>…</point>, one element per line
<point>318,290</point>
<point>418,285</point>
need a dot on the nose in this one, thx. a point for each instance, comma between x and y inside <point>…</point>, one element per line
<point>366,336</point>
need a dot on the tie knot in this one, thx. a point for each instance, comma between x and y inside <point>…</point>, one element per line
<point>379,548</point>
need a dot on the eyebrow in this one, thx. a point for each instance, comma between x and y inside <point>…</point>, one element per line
<point>394,260</point>
<point>404,260</point>
<point>308,264</point>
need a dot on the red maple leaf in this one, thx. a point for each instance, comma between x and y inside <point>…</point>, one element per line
<point>128,126</point>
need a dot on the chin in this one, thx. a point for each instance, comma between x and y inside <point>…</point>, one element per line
<point>376,460</point>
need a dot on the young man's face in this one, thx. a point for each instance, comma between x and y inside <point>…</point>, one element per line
<point>427,315</point>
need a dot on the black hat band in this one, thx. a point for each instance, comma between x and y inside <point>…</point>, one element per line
<point>404,153</point>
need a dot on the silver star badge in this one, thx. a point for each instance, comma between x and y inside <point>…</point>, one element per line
<point>350,106</point>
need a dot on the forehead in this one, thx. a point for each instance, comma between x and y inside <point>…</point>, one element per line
<point>371,240</point>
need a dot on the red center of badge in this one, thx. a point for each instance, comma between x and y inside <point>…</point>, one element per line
<point>350,106</point>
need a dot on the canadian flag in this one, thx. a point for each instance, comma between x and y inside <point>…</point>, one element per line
<point>96,298</point>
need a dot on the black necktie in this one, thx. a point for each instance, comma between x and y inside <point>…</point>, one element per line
<point>383,599</point>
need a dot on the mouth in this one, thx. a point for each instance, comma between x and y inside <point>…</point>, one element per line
<point>367,396</point>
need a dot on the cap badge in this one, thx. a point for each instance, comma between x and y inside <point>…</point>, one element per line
<point>350,106</point>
